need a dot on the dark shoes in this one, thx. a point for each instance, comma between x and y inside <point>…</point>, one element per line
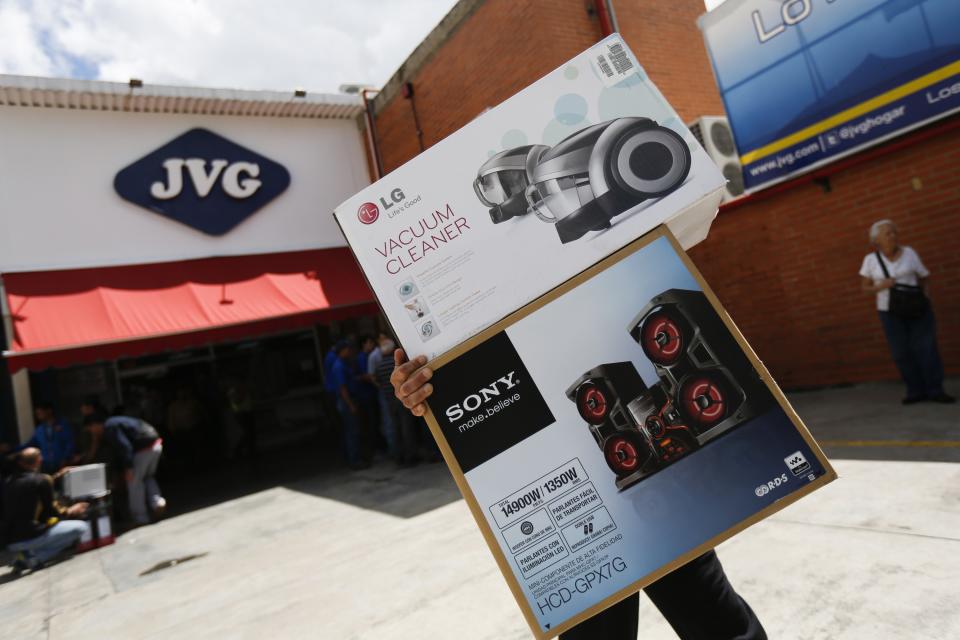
<point>941,398</point>
<point>23,563</point>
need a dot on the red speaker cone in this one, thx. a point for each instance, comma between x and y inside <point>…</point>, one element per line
<point>703,398</point>
<point>624,453</point>
<point>592,403</point>
<point>662,338</point>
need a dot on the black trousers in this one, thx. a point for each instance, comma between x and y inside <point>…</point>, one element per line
<point>696,599</point>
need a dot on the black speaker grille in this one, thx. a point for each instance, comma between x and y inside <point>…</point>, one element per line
<point>722,138</point>
<point>733,172</point>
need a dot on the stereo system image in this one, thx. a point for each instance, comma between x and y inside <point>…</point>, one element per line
<point>706,386</point>
<point>587,179</point>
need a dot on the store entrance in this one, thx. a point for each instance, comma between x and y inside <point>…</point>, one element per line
<point>235,417</point>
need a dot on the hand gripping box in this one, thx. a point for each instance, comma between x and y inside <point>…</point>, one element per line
<point>529,194</point>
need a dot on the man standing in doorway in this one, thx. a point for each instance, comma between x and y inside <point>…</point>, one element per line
<point>388,426</point>
<point>344,379</point>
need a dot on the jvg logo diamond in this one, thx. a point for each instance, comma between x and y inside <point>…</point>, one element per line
<point>203,180</point>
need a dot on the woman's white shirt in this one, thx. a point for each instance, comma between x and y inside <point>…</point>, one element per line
<point>905,270</point>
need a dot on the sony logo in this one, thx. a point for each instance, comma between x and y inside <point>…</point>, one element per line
<point>791,12</point>
<point>203,179</point>
<point>473,401</point>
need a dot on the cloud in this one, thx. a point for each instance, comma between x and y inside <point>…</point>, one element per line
<point>244,44</point>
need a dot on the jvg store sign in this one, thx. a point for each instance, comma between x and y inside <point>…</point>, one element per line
<point>808,81</point>
<point>204,181</point>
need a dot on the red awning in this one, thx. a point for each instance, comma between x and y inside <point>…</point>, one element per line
<point>66,317</point>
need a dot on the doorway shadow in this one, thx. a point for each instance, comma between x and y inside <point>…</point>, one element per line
<point>386,488</point>
<point>313,467</point>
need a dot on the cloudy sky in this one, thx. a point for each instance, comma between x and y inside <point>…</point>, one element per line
<point>247,44</point>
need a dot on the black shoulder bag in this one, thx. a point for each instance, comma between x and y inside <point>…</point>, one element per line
<point>906,301</point>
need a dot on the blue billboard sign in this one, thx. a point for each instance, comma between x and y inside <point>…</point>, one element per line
<point>805,82</point>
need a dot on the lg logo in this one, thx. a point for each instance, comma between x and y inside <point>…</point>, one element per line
<point>369,212</point>
<point>203,180</point>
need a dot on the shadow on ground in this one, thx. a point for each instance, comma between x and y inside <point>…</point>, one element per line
<point>314,467</point>
<point>404,493</point>
<point>868,422</point>
<point>863,422</point>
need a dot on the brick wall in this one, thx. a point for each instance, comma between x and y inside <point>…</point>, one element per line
<point>507,44</point>
<point>664,36</point>
<point>500,49</point>
<point>786,266</point>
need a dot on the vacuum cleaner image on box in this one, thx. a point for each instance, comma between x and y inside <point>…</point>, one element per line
<point>587,179</point>
<point>706,387</point>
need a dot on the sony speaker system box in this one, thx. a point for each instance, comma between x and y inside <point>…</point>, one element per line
<point>613,430</point>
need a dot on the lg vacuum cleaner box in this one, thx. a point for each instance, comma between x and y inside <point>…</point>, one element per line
<point>613,430</point>
<point>526,196</point>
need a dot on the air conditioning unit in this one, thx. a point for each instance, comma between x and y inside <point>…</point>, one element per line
<point>714,134</point>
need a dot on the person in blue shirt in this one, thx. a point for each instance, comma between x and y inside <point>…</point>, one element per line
<point>343,378</point>
<point>330,389</point>
<point>53,437</point>
<point>328,361</point>
<point>367,395</point>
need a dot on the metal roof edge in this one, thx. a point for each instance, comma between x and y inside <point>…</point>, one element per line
<point>35,91</point>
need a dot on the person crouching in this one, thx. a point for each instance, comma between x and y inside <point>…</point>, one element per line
<point>139,449</point>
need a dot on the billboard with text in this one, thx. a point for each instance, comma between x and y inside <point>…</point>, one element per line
<point>805,82</point>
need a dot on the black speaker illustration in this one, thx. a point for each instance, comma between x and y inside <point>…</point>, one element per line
<point>502,181</point>
<point>588,178</point>
<point>704,372</point>
<point>601,396</point>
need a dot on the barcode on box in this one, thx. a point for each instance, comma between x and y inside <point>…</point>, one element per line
<point>621,61</point>
<point>604,66</point>
<point>612,61</point>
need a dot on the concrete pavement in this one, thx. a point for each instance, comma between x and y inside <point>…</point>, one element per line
<point>388,553</point>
